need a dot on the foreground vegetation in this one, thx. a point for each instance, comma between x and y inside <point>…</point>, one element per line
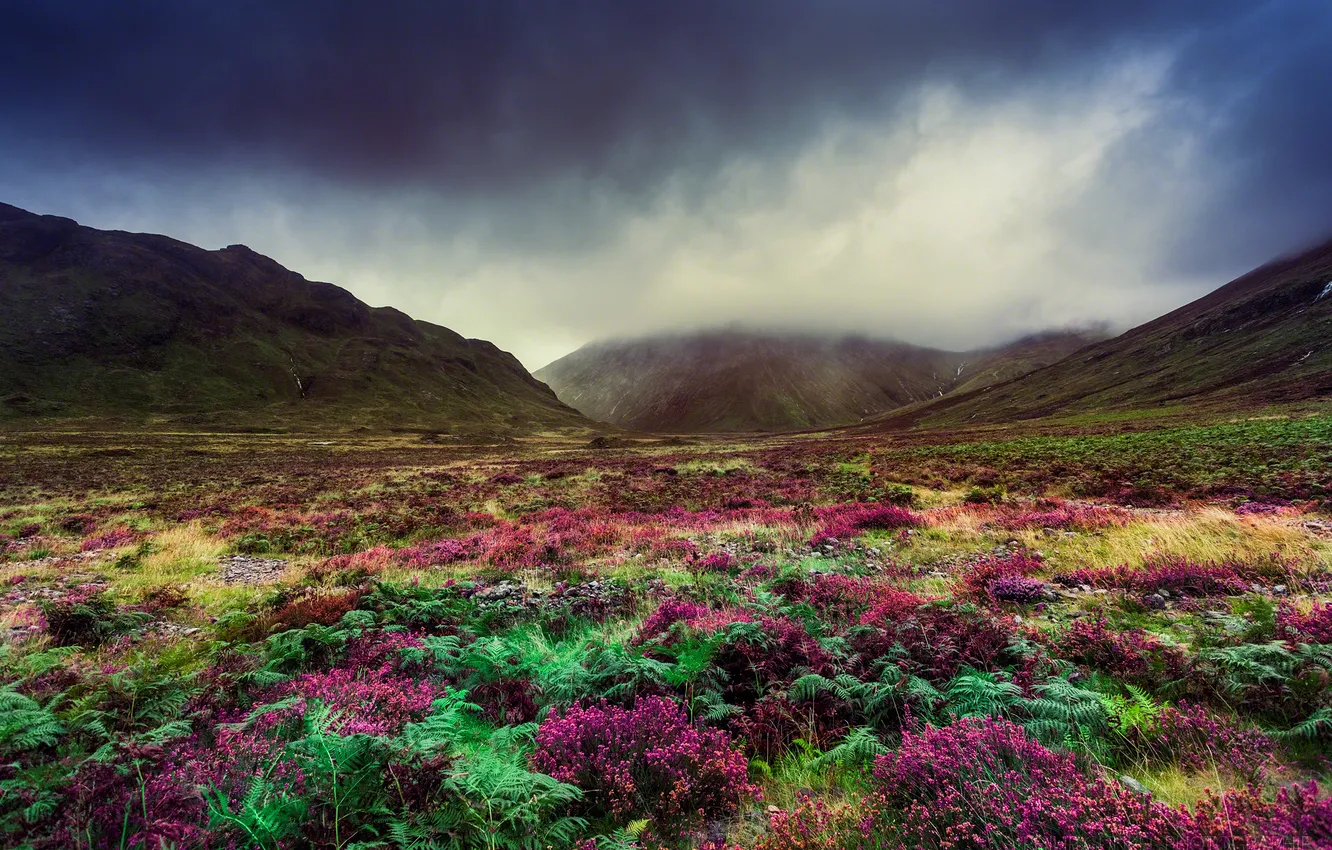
<point>1099,640</point>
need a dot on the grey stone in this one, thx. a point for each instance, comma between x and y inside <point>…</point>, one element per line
<point>1134,785</point>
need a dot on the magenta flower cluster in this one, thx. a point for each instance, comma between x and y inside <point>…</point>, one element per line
<point>1185,577</point>
<point>1079,517</point>
<point>1298,627</point>
<point>1194,738</point>
<point>983,783</point>
<point>846,521</point>
<point>647,761</point>
<point>109,540</point>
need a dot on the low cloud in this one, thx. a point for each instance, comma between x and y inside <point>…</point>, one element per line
<point>543,175</point>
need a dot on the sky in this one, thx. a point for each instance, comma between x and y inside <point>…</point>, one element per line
<point>544,173</point>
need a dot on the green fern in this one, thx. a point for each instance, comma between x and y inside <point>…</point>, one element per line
<point>1138,711</point>
<point>861,746</point>
<point>1311,728</point>
<point>975,693</point>
<point>25,724</point>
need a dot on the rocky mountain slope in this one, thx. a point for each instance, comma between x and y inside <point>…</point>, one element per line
<point>739,381</point>
<point>129,326</point>
<point>1260,339</point>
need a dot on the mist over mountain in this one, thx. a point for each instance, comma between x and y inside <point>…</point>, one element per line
<point>1260,339</point>
<point>746,380</point>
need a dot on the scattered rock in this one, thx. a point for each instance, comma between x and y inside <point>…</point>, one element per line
<point>246,569</point>
<point>1134,785</point>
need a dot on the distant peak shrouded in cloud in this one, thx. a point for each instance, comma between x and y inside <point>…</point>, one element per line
<point>545,173</point>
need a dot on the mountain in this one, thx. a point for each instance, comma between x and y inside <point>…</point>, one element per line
<point>739,381</point>
<point>131,326</point>
<point>1260,339</point>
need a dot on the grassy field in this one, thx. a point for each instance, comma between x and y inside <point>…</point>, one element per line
<point>1079,639</point>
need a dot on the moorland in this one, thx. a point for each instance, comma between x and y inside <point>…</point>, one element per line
<point>1089,632</point>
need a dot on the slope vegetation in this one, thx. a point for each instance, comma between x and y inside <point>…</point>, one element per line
<point>133,327</point>
<point>737,381</point>
<point>1260,339</point>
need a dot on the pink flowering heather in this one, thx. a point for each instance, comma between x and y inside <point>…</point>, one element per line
<point>1262,509</point>
<point>1297,819</point>
<point>648,761</point>
<point>1196,739</point>
<point>372,701</point>
<point>717,562</point>
<point>110,540</point>
<point>843,522</point>
<point>1080,517</point>
<point>935,639</point>
<point>1185,577</point>
<point>694,615</point>
<point>814,824</point>
<point>1010,575</point>
<point>840,597</point>
<point>983,783</point>
<point>1314,627</point>
<point>1131,654</point>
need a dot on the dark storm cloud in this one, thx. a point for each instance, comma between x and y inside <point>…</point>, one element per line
<point>543,173</point>
<point>487,95</point>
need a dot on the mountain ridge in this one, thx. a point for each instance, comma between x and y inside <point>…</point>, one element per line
<point>733,380</point>
<point>128,326</point>
<point>1259,339</point>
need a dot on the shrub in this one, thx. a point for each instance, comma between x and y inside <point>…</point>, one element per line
<point>644,761</point>
<point>1314,627</point>
<point>755,656</point>
<point>814,824</point>
<point>1082,517</point>
<point>324,608</point>
<point>1195,739</point>
<point>374,701</point>
<point>87,617</point>
<point>1018,589</point>
<point>109,540</point>
<point>983,783</point>
<point>1183,576</point>
<point>843,522</point>
<point>1297,819</point>
<point>934,639</point>
<point>832,595</point>
<point>1009,575</point>
<point>986,495</point>
<point>1132,654</point>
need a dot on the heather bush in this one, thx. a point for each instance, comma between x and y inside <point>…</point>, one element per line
<point>843,522</point>
<point>323,608</point>
<point>772,725</point>
<point>1313,627</point>
<point>833,596</point>
<point>1080,517</point>
<point>1004,578</point>
<point>87,616</point>
<point>816,824</point>
<point>1297,819</point>
<point>645,761</point>
<point>1185,577</point>
<point>983,783</point>
<point>755,656</point>
<point>110,540</point>
<point>933,639</point>
<point>1195,739</point>
<point>1129,654</point>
